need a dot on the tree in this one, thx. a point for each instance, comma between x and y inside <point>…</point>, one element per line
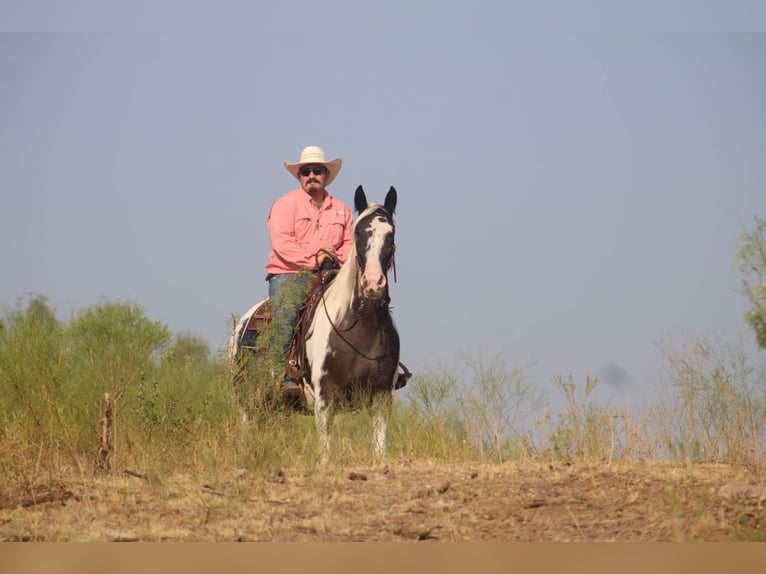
<point>187,348</point>
<point>751,257</point>
<point>116,342</point>
<point>39,310</point>
<point>33,368</point>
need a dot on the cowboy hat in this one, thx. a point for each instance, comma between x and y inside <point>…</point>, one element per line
<point>313,155</point>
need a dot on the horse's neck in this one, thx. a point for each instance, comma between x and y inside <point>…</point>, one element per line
<point>340,294</point>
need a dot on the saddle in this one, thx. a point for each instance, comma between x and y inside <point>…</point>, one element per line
<point>296,367</point>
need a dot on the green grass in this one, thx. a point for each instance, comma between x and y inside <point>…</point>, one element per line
<point>175,407</point>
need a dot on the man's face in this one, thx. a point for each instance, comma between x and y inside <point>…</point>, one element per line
<point>313,178</point>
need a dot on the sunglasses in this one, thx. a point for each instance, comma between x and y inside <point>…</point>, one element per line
<point>319,170</point>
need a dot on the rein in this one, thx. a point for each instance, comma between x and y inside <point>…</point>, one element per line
<point>335,328</point>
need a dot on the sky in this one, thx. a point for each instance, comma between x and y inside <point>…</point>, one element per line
<point>572,184</point>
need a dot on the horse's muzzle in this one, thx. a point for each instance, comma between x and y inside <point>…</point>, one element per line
<point>373,287</point>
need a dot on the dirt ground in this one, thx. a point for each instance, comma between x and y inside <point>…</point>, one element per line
<point>529,501</point>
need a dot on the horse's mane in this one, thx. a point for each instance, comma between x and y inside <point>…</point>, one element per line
<point>369,209</point>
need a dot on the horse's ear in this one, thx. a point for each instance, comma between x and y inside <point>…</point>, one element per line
<point>390,201</point>
<point>360,200</point>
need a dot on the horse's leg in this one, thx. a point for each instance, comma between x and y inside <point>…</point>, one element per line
<point>379,427</point>
<point>382,405</point>
<point>322,416</point>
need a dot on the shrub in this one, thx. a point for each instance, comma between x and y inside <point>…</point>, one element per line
<point>714,407</point>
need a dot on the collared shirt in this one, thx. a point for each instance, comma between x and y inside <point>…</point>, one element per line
<point>298,230</point>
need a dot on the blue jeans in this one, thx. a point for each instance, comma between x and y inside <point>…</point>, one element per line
<point>286,292</point>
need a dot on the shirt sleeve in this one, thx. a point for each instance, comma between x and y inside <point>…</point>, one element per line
<point>282,236</point>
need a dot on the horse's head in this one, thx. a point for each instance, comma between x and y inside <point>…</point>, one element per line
<point>374,241</point>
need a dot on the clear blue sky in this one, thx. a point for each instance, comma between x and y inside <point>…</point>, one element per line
<point>572,194</point>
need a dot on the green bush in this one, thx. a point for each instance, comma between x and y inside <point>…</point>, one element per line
<point>35,370</point>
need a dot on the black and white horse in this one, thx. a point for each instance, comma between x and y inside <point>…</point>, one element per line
<point>352,345</point>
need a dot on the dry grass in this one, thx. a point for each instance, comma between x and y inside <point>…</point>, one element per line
<point>515,501</point>
<point>467,460</point>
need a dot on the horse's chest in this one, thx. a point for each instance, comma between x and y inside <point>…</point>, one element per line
<point>355,360</point>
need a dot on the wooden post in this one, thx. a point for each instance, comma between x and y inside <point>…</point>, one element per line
<point>104,458</point>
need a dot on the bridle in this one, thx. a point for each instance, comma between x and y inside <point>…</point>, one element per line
<point>384,301</point>
<point>391,265</point>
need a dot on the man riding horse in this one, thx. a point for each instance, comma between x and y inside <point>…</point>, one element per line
<point>306,227</point>
<point>309,230</point>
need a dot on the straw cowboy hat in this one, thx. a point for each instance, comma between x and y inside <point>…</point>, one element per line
<point>313,155</point>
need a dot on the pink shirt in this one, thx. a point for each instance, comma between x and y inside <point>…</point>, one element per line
<point>298,230</point>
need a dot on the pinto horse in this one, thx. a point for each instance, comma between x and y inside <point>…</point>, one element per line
<point>351,342</point>
<point>352,345</point>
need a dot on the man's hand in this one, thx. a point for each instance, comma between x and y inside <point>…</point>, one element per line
<point>324,255</point>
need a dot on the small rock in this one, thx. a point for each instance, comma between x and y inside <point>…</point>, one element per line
<point>742,490</point>
<point>277,476</point>
<point>414,532</point>
<point>117,536</point>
